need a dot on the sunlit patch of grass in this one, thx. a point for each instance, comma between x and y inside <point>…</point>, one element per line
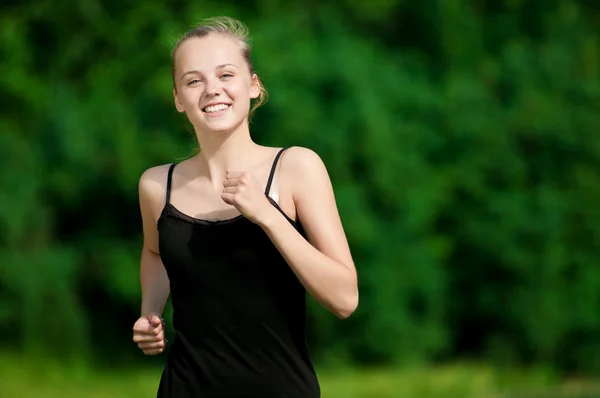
<point>45,379</point>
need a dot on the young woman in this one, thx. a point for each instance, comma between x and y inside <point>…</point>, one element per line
<point>237,235</point>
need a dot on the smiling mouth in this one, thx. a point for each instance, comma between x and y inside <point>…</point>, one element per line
<point>215,108</point>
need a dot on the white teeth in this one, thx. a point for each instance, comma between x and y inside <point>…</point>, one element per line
<point>215,108</point>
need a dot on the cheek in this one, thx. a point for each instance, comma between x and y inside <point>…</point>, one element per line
<point>190,96</point>
<point>241,91</point>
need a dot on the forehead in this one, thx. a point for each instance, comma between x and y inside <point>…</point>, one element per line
<point>204,54</point>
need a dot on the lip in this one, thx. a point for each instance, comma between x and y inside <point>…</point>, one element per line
<point>218,113</point>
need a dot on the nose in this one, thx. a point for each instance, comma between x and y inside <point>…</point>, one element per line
<point>212,87</point>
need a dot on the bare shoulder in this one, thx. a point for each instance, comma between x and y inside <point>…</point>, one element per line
<point>152,187</point>
<point>310,184</point>
<point>153,181</point>
<point>302,163</point>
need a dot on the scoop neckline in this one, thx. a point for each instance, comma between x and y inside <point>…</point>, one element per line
<point>195,220</point>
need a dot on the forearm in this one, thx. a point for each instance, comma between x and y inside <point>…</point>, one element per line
<point>331,283</point>
<point>154,283</point>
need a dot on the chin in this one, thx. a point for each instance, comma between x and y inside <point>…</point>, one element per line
<point>224,124</point>
<point>223,130</point>
<point>220,127</point>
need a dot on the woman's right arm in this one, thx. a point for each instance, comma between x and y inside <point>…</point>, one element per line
<point>153,277</point>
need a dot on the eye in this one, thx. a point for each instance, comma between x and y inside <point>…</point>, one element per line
<point>193,82</point>
<point>226,76</point>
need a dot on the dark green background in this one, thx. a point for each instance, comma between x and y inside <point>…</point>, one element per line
<point>462,138</point>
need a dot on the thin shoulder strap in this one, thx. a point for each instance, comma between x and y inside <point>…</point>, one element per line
<point>169,180</point>
<point>272,173</point>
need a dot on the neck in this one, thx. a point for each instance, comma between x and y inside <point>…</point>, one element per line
<point>224,151</point>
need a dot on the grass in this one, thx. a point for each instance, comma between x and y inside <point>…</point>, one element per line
<point>27,379</point>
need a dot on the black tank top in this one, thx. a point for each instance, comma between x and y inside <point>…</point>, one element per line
<point>238,310</point>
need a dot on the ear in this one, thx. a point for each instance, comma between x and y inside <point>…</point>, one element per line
<point>256,85</point>
<point>178,103</point>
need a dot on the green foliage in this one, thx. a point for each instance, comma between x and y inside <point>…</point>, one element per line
<point>48,379</point>
<point>464,158</point>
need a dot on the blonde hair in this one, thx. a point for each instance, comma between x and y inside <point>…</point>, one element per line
<point>226,26</point>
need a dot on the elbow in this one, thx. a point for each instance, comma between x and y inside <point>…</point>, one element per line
<point>347,306</point>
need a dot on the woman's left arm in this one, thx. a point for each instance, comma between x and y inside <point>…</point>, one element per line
<point>323,265</point>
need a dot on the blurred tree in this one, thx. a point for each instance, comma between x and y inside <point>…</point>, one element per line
<point>461,138</point>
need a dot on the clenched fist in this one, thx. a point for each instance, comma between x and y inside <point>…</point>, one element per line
<point>242,190</point>
<point>149,335</point>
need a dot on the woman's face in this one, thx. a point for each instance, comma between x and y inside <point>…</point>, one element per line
<point>213,83</point>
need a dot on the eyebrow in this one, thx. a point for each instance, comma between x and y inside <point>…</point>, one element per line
<point>198,72</point>
<point>225,65</point>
